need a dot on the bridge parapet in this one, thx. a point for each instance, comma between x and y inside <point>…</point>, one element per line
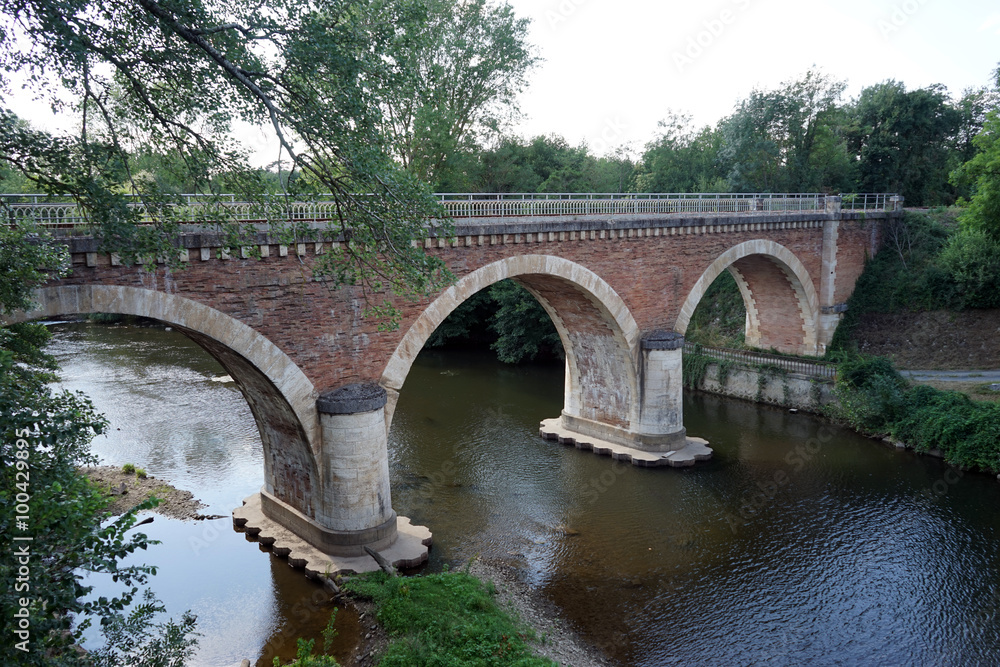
<point>63,213</point>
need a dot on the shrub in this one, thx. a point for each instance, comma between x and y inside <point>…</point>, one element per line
<point>972,260</point>
<point>128,469</point>
<point>874,398</point>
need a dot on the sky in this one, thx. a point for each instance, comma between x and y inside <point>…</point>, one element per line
<point>612,69</point>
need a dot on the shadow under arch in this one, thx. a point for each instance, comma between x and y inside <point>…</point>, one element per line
<point>598,333</point>
<point>281,397</point>
<point>778,292</point>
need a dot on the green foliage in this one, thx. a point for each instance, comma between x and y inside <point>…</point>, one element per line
<point>508,318</point>
<point>694,366</point>
<point>875,399</point>
<point>467,324</point>
<point>971,260</point>
<point>140,473</point>
<point>905,275</point>
<point>167,79</point>
<point>905,142</point>
<point>788,140</point>
<point>444,619</point>
<point>681,159</point>
<point>726,367</point>
<point>128,469</point>
<point>28,257</point>
<point>720,317</point>
<point>871,393</point>
<point>44,437</point>
<point>982,174</point>
<point>304,649</point>
<point>524,330</point>
<point>543,164</point>
<point>458,71</point>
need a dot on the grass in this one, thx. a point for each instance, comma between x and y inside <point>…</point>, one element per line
<point>445,620</point>
<point>977,391</point>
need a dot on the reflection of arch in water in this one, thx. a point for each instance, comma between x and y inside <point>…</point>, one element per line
<point>597,330</point>
<point>779,295</point>
<point>281,397</point>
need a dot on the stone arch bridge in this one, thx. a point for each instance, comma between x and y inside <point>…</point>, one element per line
<point>619,275</point>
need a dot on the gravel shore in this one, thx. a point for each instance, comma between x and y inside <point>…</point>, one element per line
<point>556,639</point>
<point>176,503</point>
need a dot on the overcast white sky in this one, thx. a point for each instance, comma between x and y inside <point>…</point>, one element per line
<point>613,68</point>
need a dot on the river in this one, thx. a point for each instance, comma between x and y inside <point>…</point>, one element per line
<point>799,543</point>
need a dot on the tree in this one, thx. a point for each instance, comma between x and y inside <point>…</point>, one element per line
<point>172,76</point>
<point>904,141</point>
<point>787,140</point>
<point>981,174</point>
<point>457,74</point>
<point>681,159</point>
<point>51,530</point>
<point>524,330</point>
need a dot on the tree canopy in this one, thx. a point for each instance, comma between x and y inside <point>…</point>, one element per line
<point>173,77</point>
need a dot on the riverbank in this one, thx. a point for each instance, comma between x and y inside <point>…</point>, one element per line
<point>559,641</point>
<point>452,598</point>
<point>177,503</point>
<point>556,639</point>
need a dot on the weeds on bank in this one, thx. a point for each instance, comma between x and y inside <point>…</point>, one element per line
<point>875,399</point>
<point>447,619</point>
<point>305,653</point>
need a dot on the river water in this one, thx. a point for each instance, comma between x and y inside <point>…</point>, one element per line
<point>799,543</point>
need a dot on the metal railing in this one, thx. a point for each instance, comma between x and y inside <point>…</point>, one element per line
<point>870,201</point>
<point>507,205</point>
<point>62,212</point>
<point>754,359</point>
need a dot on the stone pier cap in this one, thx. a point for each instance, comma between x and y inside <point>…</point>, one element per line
<point>663,340</point>
<point>352,399</point>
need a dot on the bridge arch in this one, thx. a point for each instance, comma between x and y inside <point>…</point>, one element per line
<point>598,333</point>
<point>778,292</point>
<point>281,397</point>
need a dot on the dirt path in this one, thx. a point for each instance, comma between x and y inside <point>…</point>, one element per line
<point>978,377</point>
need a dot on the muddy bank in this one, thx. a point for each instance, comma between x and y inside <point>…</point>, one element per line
<point>940,339</point>
<point>177,503</point>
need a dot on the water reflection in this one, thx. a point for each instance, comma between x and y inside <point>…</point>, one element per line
<point>799,543</point>
<point>171,415</point>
